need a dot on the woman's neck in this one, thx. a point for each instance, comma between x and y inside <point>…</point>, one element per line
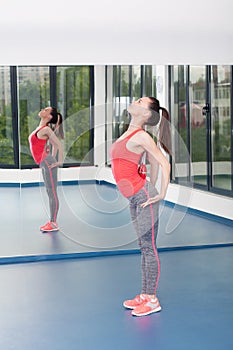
<point>135,126</point>
<point>43,123</point>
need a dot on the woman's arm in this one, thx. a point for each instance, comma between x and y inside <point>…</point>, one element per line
<point>56,146</point>
<point>156,159</point>
<point>54,151</point>
<point>154,169</point>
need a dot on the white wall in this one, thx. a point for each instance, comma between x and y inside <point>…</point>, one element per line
<point>120,32</point>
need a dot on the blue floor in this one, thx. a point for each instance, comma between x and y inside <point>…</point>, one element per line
<point>75,301</point>
<point>77,304</point>
<point>92,218</point>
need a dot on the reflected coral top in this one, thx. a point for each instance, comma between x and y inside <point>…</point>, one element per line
<point>37,146</point>
<point>125,167</point>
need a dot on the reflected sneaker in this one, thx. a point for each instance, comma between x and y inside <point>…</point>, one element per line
<point>147,308</point>
<point>133,303</point>
<point>49,227</point>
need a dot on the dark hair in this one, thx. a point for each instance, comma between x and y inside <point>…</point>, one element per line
<point>56,123</point>
<point>164,127</point>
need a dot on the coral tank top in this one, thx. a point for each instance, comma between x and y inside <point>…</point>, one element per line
<point>37,146</point>
<point>125,167</point>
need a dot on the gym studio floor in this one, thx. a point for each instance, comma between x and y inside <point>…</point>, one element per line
<point>64,290</point>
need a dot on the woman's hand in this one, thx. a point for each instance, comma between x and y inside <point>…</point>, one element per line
<point>55,165</point>
<point>152,200</point>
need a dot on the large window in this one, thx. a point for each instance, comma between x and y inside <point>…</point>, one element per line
<point>7,120</point>
<point>121,98</point>
<point>33,95</point>
<point>129,83</point>
<point>201,109</point>
<point>198,124</point>
<point>180,121</point>
<point>25,90</point>
<point>74,102</point>
<point>137,80</point>
<point>221,126</point>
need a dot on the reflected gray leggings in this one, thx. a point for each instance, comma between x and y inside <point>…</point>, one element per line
<point>145,221</point>
<point>50,180</point>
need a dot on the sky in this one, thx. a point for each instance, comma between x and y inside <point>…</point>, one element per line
<point>120,32</point>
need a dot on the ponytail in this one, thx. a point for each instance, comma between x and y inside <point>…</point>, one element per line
<point>163,122</point>
<point>59,127</point>
<point>56,123</point>
<point>165,131</point>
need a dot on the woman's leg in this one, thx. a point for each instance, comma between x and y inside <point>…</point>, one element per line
<point>134,218</point>
<point>50,180</point>
<point>133,303</point>
<point>146,225</point>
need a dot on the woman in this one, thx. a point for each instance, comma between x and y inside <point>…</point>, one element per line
<point>48,133</point>
<point>143,198</point>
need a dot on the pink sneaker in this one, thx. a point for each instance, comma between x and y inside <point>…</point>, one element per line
<point>49,227</point>
<point>147,308</point>
<point>133,303</point>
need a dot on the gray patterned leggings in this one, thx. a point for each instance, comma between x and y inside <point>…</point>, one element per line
<point>50,180</point>
<point>145,221</point>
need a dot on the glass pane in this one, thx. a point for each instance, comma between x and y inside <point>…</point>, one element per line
<point>150,81</point>
<point>221,126</point>
<point>147,81</point>
<point>154,82</point>
<point>115,102</point>
<point>136,82</point>
<point>33,94</point>
<point>179,117</point>
<point>6,129</point>
<point>121,99</point>
<point>197,91</point>
<point>124,99</point>
<point>73,96</point>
